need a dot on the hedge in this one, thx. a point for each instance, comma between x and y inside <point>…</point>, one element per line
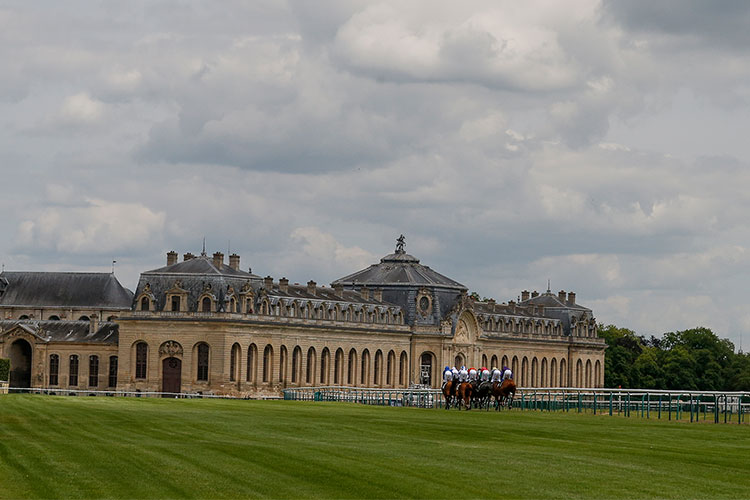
<point>4,369</point>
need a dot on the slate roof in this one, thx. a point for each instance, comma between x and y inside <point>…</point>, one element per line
<point>64,290</point>
<point>399,269</point>
<point>66,331</point>
<point>202,264</point>
<point>328,295</point>
<point>551,301</point>
<point>194,276</point>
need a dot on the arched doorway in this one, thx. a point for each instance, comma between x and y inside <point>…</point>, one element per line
<point>20,364</point>
<point>171,375</point>
<point>425,369</point>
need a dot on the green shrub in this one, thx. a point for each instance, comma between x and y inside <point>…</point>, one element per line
<point>4,369</point>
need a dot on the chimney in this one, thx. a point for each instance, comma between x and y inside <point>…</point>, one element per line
<point>284,285</point>
<point>234,261</point>
<point>534,294</point>
<point>561,295</point>
<point>512,306</point>
<point>377,294</point>
<point>524,295</point>
<point>312,288</point>
<point>338,289</point>
<point>188,256</point>
<point>365,293</point>
<point>571,298</point>
<point>491,303</point>
<point>93,323</point>
<point>268,283</point>
<point>218,260</point>
<point>171,257</point>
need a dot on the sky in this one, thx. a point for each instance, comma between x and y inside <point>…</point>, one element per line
<point>599,145</point>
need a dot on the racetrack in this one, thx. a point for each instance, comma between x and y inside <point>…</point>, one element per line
<point>117,447</point>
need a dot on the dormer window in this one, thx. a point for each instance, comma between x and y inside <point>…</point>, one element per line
<point>175,303</point>
<point>145,304</point>
<point>206,305</point>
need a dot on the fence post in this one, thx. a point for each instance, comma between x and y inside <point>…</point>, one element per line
<point>610,402</point>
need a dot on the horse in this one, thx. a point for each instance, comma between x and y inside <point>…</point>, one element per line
<point>504,392</point>
<point>481,395</point>
<point>447,393</point>
<point>464,395</point>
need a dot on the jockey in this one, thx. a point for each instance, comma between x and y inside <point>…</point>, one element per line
<point>455,380</point>
<point>472,374</point>
<point>496,375</point>
<point>507,374</point>
<point>447,375</point>
<point>463,375</point>
<point>485,375</point>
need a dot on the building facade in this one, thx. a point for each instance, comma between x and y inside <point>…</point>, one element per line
<point>204,325</point>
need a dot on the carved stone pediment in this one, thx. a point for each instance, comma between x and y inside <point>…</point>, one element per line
<point>170,348</point>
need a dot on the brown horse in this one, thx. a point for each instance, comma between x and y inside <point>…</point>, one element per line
<point>464,395</point>
<point>447,386</point>
<point>504,392</point>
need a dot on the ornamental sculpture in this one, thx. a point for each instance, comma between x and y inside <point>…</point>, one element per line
<point>170,348</point>
<point>400,244</point>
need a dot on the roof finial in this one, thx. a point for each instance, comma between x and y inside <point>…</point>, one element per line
<point>549,290</point>
<point>400,244</point>
<point>203,253</point>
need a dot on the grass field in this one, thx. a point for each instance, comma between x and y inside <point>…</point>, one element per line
<point>117,447</point>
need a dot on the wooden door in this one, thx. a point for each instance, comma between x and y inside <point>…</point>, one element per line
<point>171,375</point>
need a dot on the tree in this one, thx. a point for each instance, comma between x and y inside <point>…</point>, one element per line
<point>623,348</point>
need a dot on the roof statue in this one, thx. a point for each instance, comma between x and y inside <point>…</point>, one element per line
<point>400,244</point>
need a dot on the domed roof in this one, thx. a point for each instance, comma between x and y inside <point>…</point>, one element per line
<point>399,269</point>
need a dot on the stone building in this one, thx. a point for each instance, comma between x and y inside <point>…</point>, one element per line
<point>204,325</point>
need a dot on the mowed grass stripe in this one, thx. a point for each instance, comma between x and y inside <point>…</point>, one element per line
<point>135,448</point>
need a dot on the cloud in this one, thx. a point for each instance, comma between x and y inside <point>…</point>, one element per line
<point>99,227</point>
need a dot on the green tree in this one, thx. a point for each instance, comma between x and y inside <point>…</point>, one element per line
<point>623,348</point>
<point>647,369</point>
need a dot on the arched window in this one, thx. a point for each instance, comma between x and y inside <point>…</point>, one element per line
<point>252,355</point>
<point>534,372</point>
<point>73,370</point>
<point>325,360</point>
<point>579,374</point>
<point>113,371</point>
<point>145,304</point>
<point>296,364</point>
<point>493,362</point>
<point>563,373</point>
<point>310,366</point>
<point>338,363</point>
<point>505,362</point>
<point>553,373</point>
<point>390,366</point>
<point>23,317</point>
<point>202,362</point>
<point>206,305</point>
<point>364,375</point>
<point>525,372</point>
<point>54,318</point>
<point>459,361</point>
<point>234,363</point>
<point>267,363</point>
<point>514,369</point>
<point>597,374</point>
<point>94,371</point>
<point>543,380</point>
<point>403,366</point>
<point>54,368</point>
<point>141,355</point>
<point>282,364</point>
<point>588,373</point>
<point>484,360</point>
<point>232,305</point>
<point>175,303</point>
<point>84,318</point>
<point>377,371</point>
<point>426,368</point>
<point>351,373</point>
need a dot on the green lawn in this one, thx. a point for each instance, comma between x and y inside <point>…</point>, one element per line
<point>116,447</point>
